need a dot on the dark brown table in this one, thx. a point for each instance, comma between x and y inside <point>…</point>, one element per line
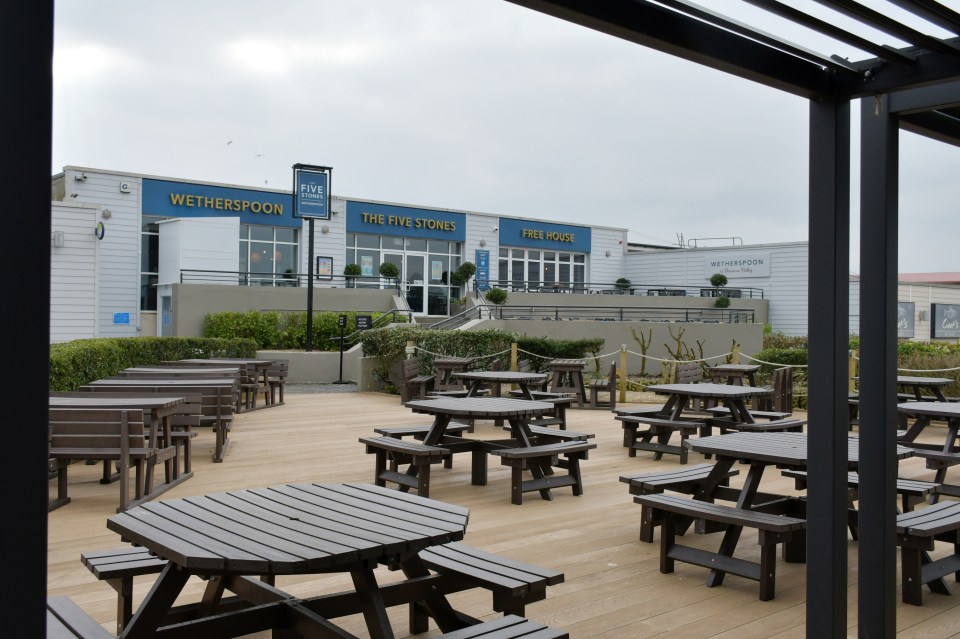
<point>760,450</point>
<point>254,371</point>
<point>734,374</point>
<point>296,529</point>
<point>445,367</point>
<point>939,457</point>
<point>159,409</point>
<point>733,397</point>
<point>222,416</point>
<point>568,378</point>
<point>517,412</point>
<point>496,379</point>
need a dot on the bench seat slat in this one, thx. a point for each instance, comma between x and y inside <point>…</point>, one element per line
<point>720,513</point>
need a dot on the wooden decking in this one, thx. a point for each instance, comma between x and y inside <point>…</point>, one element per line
<point>613,589</point>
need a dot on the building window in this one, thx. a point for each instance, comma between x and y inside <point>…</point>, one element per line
<point>269,255</point>
<point>149,261</point>
<point>522,270</point>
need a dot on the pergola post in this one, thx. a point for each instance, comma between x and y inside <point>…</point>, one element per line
<point>828,323</point>
<point>879,150</point>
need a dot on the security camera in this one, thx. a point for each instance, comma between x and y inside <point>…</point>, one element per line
<point>495,229</point>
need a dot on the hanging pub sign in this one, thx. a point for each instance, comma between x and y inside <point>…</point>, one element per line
<point>944,321</point>
<point>905,319</point>
<point>311,191</point>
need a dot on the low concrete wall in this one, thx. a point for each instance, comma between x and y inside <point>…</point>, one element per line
<point>318,367</point>
<point>191,302</point>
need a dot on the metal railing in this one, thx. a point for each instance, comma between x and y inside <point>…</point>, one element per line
<point>610,288</point>
<point>249,278</point>
<point>594,313</point>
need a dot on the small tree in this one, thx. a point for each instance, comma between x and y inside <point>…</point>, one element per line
<point>496,296</point>
<point>351,271</point>
<point>389,269</point>
<point>622,284</point>
<point>718,280</point>
<point>722,302</point>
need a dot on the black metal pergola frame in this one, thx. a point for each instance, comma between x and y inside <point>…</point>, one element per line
<point>915,88</point>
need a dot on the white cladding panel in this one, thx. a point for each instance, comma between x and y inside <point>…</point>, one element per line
<point>606,270</point>
<point>73,272</point>
<point>785,286</point>
<point>118,279</point>
<point>198,244</point>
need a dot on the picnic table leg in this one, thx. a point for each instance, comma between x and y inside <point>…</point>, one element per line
<point>732,536</point>
<point>157,603</point>
<point>371,603</point>
<point>953,426</point>
<point>436,605</point>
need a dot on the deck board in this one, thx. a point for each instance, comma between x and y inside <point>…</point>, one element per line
<point>612,586</point>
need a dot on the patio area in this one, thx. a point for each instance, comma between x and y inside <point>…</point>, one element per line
<point>612,587</point>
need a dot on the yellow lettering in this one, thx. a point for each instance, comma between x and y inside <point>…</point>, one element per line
<point>176,199</point>
<point>207,202</point>
<point>278,209</point>
<point>218,203</point>
<point>189,200</point>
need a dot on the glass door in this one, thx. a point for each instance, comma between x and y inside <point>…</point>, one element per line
<point>415,282</point>
<point>396,259</point>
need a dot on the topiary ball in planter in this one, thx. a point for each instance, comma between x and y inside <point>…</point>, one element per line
<point>622,284</point>
<point>496,296</point>
<point>722,302</point>
<point>718,280</point>
<point>352,270</point>
<point>389,269</point>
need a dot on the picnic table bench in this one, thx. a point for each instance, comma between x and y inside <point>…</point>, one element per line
<point>107,435</point>
<point>661,428</point>
<point>669,510</point>
<point>916,533</point>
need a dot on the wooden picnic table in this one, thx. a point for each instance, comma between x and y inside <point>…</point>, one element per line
<point>159,408</point>
<point>939,457</point>
<point>517,412</point>
<point>294,529</point>
<point>734,374</point>
<point>923,388</point>
<point>733,397</point>
<point>478,379</point>
<point>254,371</point>
<point>568,378</point>
<point>445,367</point>
<point>220,415</point>
<point>759,450</point>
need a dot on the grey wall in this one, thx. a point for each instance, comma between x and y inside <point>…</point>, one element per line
<point>191,302</point>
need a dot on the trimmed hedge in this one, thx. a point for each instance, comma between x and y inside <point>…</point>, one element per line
<point>274,330</point>
<point>73,364</point>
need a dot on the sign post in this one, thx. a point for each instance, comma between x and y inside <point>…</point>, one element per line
<point>311,201</point>
<point>342,323</point>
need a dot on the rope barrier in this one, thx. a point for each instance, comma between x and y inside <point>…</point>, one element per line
<point>760,361</point>
<point>679,361</point>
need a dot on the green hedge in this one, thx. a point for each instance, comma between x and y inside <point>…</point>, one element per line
<point>73,364</point>
<point>274,330</point>
<point>492,346</point>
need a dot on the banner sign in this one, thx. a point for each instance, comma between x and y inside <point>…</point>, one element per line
<point>905,319</point>
<point>482,276</point>
<point>945,321</point>
<point>388,219</point>
<point>737,264</point>
<point>167,198</point>
<point>311,191</point>
<point>544,235</point>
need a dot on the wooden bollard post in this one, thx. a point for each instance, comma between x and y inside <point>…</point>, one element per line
<point>514,361</point>
<point>735,354</point>
<point>622,374</point>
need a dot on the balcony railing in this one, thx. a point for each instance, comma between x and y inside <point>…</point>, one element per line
<point>610,288</point>
<point>594,313</point>
<point>248,278</point>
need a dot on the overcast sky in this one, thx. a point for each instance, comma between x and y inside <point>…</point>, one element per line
<point>477,105</point>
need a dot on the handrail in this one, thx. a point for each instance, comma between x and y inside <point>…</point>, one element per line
<point>383,319</point>
<point>249,278</point>
<point>610,288</point>
<point>587,313</point>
